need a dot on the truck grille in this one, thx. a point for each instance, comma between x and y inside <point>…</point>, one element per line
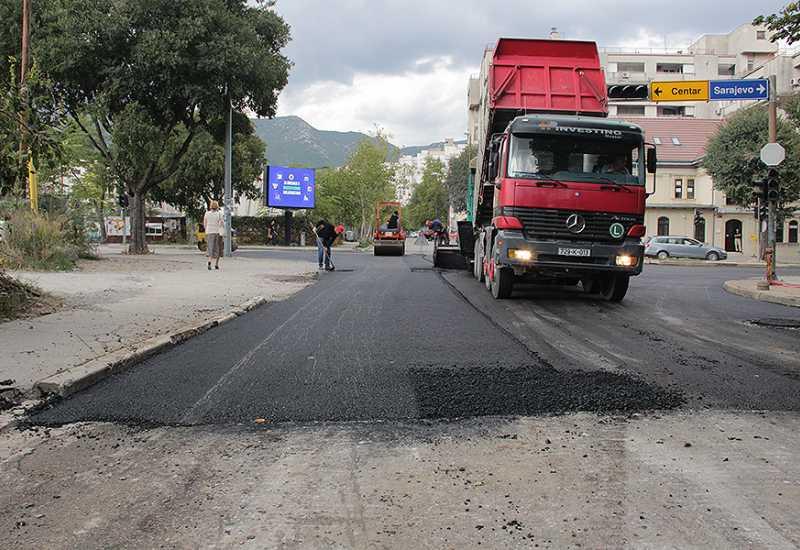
<point>552,224</point>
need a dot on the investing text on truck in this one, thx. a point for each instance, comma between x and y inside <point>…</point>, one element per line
<point>559,189</point>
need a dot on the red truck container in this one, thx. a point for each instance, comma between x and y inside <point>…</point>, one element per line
<point>559,188</point>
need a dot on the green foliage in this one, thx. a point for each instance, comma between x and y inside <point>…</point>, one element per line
<point>349,195</point>
<point>456,180</point>
<point>150,74</point>
<point>49,242</point>
<point>732,156</point>
<point>785,24</point>
<point>201,174</point>
<point>429,200</point>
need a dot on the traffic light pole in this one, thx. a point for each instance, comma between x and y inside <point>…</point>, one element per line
<point>772,205</point>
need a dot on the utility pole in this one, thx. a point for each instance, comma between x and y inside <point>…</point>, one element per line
<point>228,202</point>
<point>23,75</point>
<point>772,205</point>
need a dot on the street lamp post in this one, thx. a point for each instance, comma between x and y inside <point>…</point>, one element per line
<point>228,202</point>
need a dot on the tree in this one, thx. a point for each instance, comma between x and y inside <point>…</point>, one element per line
<point>785,25</point>
<point>429,200</point>
<point>457,176</point>
<point>733,156</point>
<point>151,74</point>
<point>349,195</point>
<point>200,177</point>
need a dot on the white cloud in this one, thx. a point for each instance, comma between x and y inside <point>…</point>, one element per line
<point>420,105</point>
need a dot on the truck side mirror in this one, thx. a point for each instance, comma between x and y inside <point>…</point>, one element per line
<point>652,160</point>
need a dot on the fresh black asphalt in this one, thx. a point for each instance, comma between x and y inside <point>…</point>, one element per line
<point>390,338</point>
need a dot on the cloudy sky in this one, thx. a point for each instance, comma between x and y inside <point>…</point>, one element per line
<point>403,64</point>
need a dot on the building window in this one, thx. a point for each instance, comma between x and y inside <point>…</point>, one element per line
<point>675,68</point>
<point>729,201</point>
<point>793,231</point>
<point>779,231</point>
<point>663,226</point>
<point>671,111</point>
<point>750,64</point>
<point>630,110</point>
<point>630,67</point>
<point>761,35</point>
<point>657,140</point>
<point>678,188</point>
<point>676,141</point>
<point>726,69</point>
<point>689,188</point>
<point>700,230</point>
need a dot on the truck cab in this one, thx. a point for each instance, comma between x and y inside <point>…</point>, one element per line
<point>568,203</point>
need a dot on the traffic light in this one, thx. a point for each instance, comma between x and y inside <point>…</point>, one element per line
<point>628,91</point>
<point>122,200</point>
<point>773,185</point>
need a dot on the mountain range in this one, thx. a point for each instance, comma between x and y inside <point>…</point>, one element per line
<point>293,141</point>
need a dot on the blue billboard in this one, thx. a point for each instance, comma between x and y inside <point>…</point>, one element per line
<point>289,187</point>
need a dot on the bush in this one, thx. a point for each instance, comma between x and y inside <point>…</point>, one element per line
<point>45,242</point>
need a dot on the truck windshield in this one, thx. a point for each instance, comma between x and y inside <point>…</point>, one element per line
<point>568,158</point>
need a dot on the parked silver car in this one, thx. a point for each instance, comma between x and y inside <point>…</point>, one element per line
<point>674,246</point>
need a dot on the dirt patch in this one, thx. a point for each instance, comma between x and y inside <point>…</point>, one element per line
<point>302,278</point>
<point>23,300</point>
<point>122,263</point>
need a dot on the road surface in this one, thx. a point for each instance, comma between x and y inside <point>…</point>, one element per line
<point>393,406</point>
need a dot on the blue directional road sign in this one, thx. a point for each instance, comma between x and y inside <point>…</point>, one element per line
<point>734,90</point>
<point>289,187</point>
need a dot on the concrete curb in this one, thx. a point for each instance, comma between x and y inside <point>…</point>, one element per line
<point>82,376</point>
<point>738,288</point>
<point>707,263</point>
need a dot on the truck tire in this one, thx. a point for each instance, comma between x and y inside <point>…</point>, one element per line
<point>503,283</point>
<point>402,251</point>
<point>477,264</point>
<point>615,287</point>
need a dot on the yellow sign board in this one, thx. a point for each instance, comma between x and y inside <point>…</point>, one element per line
<point>679,90</point>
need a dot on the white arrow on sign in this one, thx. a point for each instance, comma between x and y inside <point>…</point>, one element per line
<point>761,89</point>
<point>772,154</point>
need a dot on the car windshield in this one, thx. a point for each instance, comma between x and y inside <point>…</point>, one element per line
<point>567,158</point>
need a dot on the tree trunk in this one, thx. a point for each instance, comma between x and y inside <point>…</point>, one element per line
<point>138,244</point>
<point>101,219</point>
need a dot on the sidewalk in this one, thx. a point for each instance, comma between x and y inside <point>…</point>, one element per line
<point>116,304</point>
<point>784,295</point>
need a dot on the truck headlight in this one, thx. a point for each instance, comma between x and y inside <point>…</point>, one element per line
<point>626,260</point>
<point>522,255</point>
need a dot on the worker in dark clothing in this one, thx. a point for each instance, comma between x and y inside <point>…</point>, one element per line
<point>326,234</point>
<point>393,220</point>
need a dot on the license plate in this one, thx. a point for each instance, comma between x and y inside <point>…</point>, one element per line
<point>574,252</point>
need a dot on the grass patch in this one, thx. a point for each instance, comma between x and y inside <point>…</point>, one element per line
<point>43,242</point>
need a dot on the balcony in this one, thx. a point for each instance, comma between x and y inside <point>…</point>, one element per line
<point>619,77</point>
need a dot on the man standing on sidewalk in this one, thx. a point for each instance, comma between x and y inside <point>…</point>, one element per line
<point>326,234</point>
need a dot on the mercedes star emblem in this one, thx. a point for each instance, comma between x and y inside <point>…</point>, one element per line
<point>576,223</point>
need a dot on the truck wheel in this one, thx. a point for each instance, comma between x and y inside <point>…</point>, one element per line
<point>487,256</point>
<point>615,287</point>
<point>402,250</point>
<point>477,265</point>
<point>503,283</point>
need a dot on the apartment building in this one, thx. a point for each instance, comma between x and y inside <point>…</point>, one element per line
<point>685,201</point>
<point>411,167</point>
<point>742,53</point>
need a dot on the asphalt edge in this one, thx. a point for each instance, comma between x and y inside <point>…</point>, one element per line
<point>708,263</point>
<point>761,295</point>
<point>80,377</point>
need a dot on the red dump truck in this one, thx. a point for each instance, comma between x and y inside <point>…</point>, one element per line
<point>559,189</point>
